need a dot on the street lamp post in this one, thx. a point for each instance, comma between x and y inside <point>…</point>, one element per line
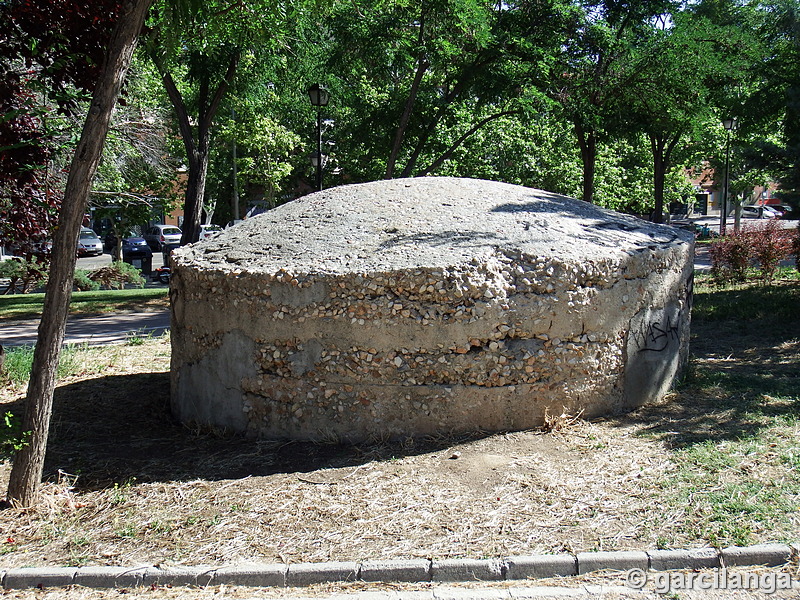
<point>728,124</point>
<point>319,97</point>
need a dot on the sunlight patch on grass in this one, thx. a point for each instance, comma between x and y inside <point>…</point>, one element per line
<point>23,306</point>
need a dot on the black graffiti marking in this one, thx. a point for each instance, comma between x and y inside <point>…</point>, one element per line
<point>655,337</point>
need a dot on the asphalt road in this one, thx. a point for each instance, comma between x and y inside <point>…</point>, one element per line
<point>94,262</point>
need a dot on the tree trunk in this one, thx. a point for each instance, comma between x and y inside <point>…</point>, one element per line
<point>195,191</point>
<point>404,119</point>
<point>26,473</point>
<point>658,190</point>
<point>422,67</point>
<point>587,140</point>
<point>196,149</point>
<point>661,147</point>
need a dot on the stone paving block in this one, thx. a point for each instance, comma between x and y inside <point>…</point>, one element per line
<point>309,574</point>
<point>391,595</point>
<point>396,570</point>
<point>16,579</point>
<point>615,561</point>
<point>415,595</point>
<point>467,594</point>
<point>467,569</point>
<point>769,555</point>
<point>161,576</point>
<point>257,575</point>
<point>699,558</point>
<point>544,565</point>
<point>546,592</point>
<point>109,577</point>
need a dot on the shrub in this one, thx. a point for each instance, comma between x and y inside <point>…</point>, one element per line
<point>730,256</point>
<point>24,275</point>
<point>83,283</point>
<point>117,275</point>
<point>765,244</point>
<point>12,439</point>
<point>770,243</point>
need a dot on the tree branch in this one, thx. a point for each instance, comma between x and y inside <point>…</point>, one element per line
<point>447,153</point>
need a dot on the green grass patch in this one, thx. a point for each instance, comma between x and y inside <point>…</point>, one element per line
<point>74,360</point>
<point>22,306</point>
<point>733,428</point>
<point>772,305</point>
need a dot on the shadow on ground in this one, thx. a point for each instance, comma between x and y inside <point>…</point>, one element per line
<point>116,428</point>
<point>743,376</point>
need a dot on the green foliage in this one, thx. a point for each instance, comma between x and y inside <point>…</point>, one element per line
<point>117,276</point>
<point>12,438</point>
<point>83,283</point>
<point>24,275</point>
<point>265,151</point>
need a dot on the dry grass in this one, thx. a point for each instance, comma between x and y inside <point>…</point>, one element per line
<point>128,486</point>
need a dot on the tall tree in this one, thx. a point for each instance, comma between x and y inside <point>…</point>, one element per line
<point>413,77</point>
<point>676,74</point>
<point>591,73</point>
<point>26,472</point>
<point>775,105</point>
<point>198,51</point>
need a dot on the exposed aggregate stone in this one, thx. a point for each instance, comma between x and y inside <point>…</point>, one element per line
<point>484,314</point>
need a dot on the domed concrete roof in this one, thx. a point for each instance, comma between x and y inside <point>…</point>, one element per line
<point>423,222</point>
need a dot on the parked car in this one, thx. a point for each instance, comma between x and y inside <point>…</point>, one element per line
<point>209,230</point>
<point>88,243</point>
<point>161,237</point>
<point>759,212</point>
<point>133,246</point>
<point>784,209</point>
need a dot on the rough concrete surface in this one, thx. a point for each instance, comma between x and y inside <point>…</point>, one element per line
<point>423,306</point>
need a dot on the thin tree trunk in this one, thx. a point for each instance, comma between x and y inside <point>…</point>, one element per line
<point>404,119</point>
<point>422,67</point>
<point>662,153</point>
<point>588,144</point>
<point>26,473</point>
<point>197,150</point>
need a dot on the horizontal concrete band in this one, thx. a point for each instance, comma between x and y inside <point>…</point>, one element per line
<point>409,571</point>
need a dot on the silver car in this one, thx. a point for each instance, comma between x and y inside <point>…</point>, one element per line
<point>88,243</point>
<point>163,237</point>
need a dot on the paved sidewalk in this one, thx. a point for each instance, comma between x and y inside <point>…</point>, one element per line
<point>112,328</point>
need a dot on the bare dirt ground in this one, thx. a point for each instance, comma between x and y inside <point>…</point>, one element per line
<point>126,485</point>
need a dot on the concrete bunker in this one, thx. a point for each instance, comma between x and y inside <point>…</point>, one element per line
<point>421,306</point>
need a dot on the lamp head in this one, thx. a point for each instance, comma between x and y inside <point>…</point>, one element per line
<point>319,95</point>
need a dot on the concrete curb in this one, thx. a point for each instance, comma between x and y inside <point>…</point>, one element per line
<point>406,571</point>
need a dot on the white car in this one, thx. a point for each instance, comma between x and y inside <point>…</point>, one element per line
<point>760,212</point>
<point>209,230</point>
